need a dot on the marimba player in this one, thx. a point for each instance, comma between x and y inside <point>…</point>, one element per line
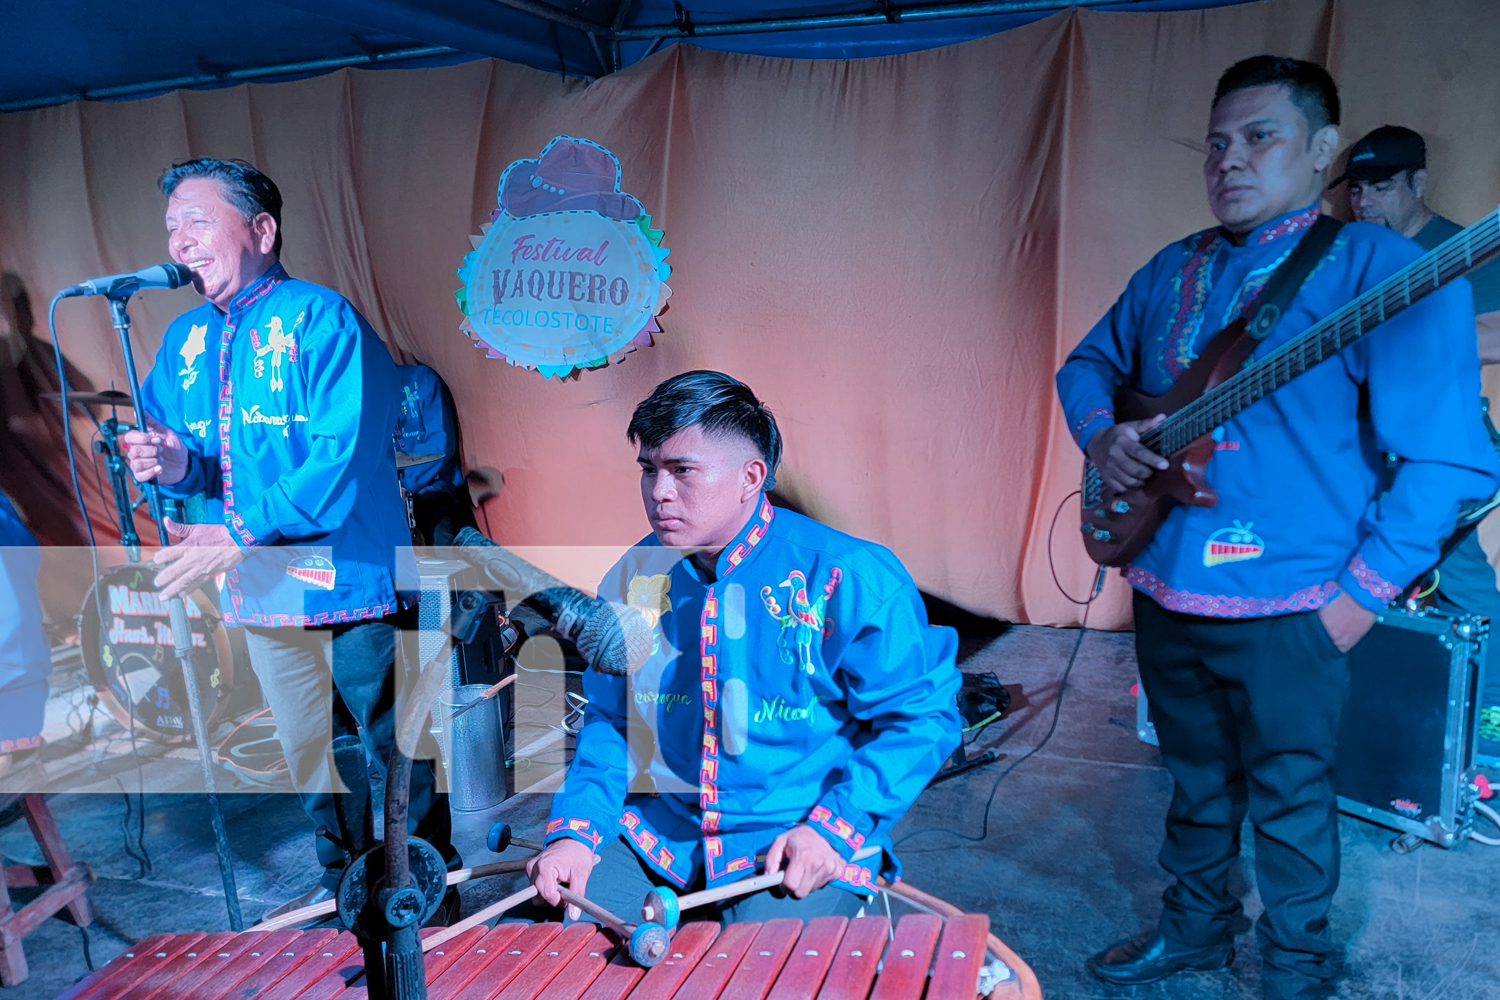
<point>795,703</point>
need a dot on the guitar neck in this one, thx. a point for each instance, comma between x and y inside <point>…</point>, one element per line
<point>1330,335</point>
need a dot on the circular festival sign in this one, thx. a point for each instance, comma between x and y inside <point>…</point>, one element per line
<point>569,273</point>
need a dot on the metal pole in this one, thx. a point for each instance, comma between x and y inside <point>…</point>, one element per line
<point>893,14</point>
<point>182,639</point>
<point>237,76</point>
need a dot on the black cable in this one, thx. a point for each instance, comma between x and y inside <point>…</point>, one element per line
<point>1051,565</point>
<point>1062,687</point>
<point>88,958</point>
<point>67,410</point>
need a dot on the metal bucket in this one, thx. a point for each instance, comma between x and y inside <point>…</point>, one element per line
<point>476,751</point>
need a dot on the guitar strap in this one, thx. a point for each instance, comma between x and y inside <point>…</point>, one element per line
<point>1283,285</point>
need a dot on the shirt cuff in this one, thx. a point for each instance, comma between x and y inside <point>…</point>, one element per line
<point>585,831</point>
<point>838,831</point>
<point>1361,582</point>
<point>190,485</point>
<point>1086,426</point>
<point>250,528</point>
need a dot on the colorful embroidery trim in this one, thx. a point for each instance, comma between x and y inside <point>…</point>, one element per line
<point>1289,226</point>
<point>766,513</point>
<point>582,828</point>
<point>1191,287</point>
<point>1372,581</point>
<point>647,842</point>
<point>838,826</point>
<point>1097,413</point>
<point>1224,606</point>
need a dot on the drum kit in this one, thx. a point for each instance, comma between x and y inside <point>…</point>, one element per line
<point>123,628</point>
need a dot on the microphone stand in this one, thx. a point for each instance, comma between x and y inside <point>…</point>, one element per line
<point>182,635</point>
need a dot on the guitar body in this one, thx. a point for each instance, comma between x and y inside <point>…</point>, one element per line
<point>1117,526</point>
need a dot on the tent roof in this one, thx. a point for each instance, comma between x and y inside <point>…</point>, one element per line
<point>55,51</point>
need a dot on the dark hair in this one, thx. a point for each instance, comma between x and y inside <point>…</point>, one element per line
<point>1312,89</point>
<point>714,401</point>
<point>247,189</point>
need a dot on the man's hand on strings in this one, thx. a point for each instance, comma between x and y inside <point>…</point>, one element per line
<point>202,552</point>
<point>1123,462</point>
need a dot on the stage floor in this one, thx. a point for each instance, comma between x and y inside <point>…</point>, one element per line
<point>1067,865</point>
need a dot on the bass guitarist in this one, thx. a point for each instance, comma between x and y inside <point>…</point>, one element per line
<point>1245,610</point>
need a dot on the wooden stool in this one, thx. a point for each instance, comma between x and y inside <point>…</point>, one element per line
<point>65,883</point>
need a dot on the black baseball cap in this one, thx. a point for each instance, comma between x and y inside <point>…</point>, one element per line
<point>1384,153</point>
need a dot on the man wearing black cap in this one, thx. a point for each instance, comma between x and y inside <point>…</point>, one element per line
<point>1387,176</point>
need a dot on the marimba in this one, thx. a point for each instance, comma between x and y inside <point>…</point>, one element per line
<point>924,957</point>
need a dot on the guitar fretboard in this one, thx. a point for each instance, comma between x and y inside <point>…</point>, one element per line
<point>1330,335</point>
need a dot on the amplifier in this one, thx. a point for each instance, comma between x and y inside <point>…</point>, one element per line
<point>1407,749</point>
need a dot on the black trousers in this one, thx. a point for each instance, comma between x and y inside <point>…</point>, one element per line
<point>1247,713</point>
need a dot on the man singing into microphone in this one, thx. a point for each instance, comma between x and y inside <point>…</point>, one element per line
<point>278,400</point>
<point>795,704</point>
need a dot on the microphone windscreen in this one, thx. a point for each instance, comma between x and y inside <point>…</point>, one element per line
<point>615,639</point>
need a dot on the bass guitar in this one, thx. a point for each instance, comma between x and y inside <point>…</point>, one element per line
<point>1117,526</point>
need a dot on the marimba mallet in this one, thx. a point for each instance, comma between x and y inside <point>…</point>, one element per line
<point>664,907</point>
<point>648,942</point>
<point>500,838</point>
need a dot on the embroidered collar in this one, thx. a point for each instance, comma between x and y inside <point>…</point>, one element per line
<point>749,537</point>
<point>1282,226</point>
<point>258,288</point>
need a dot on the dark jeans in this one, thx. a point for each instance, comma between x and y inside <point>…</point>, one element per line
<point>295,667</point>
<point>1247,713</point>
<point>620,881</point>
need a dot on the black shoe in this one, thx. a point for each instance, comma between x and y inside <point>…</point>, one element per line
<point>317,894</point>
<point>1150,957</point>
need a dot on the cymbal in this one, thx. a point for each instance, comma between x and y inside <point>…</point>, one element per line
<point>405,460</point>
<point>106,397</point>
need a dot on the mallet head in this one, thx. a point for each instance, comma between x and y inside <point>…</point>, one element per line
<point>660,907</point>
<point>649,944</point>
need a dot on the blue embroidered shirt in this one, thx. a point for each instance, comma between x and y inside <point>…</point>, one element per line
<point>805,684</point>
<point>1299,472</point>
<point>427,424</point>
<point>287,404</point>
<point>25,660</point>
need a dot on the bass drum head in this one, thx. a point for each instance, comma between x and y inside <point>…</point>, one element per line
<point>125,633</point>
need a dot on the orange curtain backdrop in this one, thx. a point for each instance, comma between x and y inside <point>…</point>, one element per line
<point>896,253</point>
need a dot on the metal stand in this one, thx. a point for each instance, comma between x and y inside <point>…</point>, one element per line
<point>390,888</point>
<point>182,635</point>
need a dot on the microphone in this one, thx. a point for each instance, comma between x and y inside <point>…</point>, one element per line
<point>613,638</point>
<point>169,275</point>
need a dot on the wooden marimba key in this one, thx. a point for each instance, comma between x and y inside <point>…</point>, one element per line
<point>831,958</point>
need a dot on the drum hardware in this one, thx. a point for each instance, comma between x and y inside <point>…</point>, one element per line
<point>118,293</point>
<point>105,397</point>
<point>158,709</point>
<point>390,887</point>
<point>405,460</point>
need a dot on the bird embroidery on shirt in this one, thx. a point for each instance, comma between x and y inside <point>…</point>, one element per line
<point>805,619</point>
